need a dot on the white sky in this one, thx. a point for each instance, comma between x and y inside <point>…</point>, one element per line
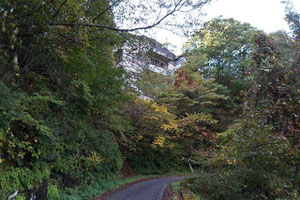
<point>267,15</point>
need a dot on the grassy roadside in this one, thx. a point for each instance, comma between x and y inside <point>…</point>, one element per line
<point>180,191</point>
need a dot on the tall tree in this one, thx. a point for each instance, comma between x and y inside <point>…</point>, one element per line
<point>293,18</point>
<point>222,48</point>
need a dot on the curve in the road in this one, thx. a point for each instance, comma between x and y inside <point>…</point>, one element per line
<point>146,190</point>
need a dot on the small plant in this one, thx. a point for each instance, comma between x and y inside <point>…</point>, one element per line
<point>53,193</point>
<point>176,187</point>
<point>20,197</point>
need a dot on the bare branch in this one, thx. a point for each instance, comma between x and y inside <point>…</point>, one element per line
<point>178,5</point>
<point>76,41</point>
<point>98,25</point>
<point>58,10</point>
<point>38,8</point>
<point>72,39</point>
<point>106,9</point>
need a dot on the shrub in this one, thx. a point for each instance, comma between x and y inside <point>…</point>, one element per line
<point>255,146</point>
<point>53,193</point>
<point>20,197</point>
<point>242,184</point>
<point>21,179</point>
<point>258,166</point>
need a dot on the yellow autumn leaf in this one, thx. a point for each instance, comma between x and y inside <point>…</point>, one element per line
<point>159,141</point>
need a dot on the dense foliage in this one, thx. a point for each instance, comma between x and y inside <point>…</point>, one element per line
<point>222,48</point>
<point>60,94</point>
<point>70,116</point>
<point>258,156</point>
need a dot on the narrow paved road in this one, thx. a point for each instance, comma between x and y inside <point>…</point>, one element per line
<point>146,190</point>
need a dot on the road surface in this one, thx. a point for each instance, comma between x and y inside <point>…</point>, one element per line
<point>146,190</point>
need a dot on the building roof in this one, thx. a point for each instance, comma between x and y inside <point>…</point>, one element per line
<point>164,52</point>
